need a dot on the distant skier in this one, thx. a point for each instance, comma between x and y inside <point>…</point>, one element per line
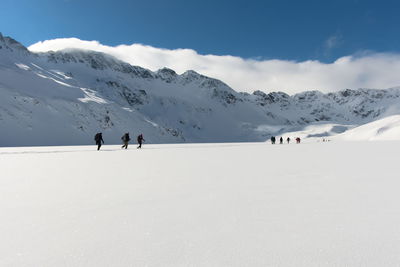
<point>99,140</point>
<point>140,140</point>
<point>288,140</point>
<point>298,140</point>
<point>281,140</point>
<point>125,139</point>
<point>273,139</point>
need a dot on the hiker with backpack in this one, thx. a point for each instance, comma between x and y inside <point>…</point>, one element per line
<point>140,140</point>
<point>125,139</point>
<point>98,138</point>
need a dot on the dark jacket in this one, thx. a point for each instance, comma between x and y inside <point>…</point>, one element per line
<point>98,138</point>
<point>126,137</point>
<point>140,138</point>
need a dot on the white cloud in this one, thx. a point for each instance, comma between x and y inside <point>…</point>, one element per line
<point>373,70</point>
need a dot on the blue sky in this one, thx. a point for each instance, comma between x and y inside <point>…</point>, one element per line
<point>289,30</point>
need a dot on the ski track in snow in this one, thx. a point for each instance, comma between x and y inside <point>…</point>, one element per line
<point>239,204</point>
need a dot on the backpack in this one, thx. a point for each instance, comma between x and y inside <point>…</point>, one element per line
<point>125,138</point>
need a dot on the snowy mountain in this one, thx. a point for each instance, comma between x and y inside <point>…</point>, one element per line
<point>65,97</point>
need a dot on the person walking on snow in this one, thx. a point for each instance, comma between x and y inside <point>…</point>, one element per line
<point>98,138</point>
<point>298,140</point>
<point>140,140</point>
<point>273,139</point>
<point>125,138</point>
<point>288,140</point>
<point>281,140</point>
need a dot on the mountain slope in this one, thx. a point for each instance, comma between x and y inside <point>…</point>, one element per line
<point>63,98</point>
<point>384,129</point>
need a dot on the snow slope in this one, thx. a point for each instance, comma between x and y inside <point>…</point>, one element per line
<point>383,129</point>
<point>316,131</point>
<point>254,204</point>
<point>65,97</point>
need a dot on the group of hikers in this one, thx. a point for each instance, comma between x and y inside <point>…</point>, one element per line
<point>98,138</point>
<point>273,140</point>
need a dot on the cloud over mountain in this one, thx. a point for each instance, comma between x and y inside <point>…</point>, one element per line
<point>367,70</point>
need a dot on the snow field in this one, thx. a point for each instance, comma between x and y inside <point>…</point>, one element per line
<point>254,204</point>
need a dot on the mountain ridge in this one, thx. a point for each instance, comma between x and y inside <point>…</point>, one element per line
<point>81,92</point>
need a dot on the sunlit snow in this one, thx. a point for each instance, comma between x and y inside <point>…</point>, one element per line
<point>313,204</point>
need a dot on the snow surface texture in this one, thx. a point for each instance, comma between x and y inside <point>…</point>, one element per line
<point>65,97</point>
<point>254,204</point>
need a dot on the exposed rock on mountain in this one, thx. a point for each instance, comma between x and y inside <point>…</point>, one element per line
<point>65,97</point>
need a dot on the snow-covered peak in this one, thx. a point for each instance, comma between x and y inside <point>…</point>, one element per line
<point>167,74</point>
<point>11,45</point>
<point>191,76</point>
<point>309,96</point>
<point>96,61</point>
<point>273,97</point>
<point>202,81</point>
